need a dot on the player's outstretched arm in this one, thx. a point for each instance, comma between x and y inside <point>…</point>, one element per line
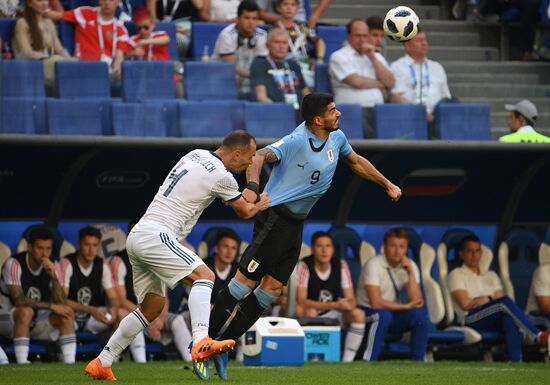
<point>365,169</point>
<point>247,210</point>
<point>252,190</point>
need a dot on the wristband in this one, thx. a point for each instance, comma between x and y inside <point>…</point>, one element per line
<point>253,186</point>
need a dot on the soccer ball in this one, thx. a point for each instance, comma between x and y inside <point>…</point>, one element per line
<point>401,24</point>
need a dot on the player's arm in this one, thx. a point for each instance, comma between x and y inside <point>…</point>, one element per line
<point>114,304</point>
<point>414,292</point>
<point>543,303</point>
<point>379,303</point>
<point>247,210</point>
<point>366,170</point>
<point>349,296</point>
<point>362,82</point>
<point>20,299</point>
<point>319,10</point>
<point>462,298</point>
<point>123,300</point>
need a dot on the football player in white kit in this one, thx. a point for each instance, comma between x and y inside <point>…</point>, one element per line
<point>159,260</point>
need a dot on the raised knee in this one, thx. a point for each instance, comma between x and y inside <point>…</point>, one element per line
<point>311,312</point>
<point>23,314</point>
<point>385,317</point>
<point>357,316</point>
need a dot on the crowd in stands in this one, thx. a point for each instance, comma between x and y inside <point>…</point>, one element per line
<point>48,299</point>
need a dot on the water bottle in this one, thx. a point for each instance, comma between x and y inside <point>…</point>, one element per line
<point>6,51</point>
<point>77,50</point>
<point>205,56</point>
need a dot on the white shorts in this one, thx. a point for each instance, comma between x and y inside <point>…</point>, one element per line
<point>158,259</point>
<point>41,328</point>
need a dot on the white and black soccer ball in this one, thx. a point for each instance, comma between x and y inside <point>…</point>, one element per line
<point>401,24</point>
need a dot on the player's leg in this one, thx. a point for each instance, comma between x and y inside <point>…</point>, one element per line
<point>6,330</point>
<point>378,323</point>
<point>356,321</point>
<point>416,321</point>
<point>137,346</point>
<point>181,334</point>
<point>22,318</point>
<point>67,335</point>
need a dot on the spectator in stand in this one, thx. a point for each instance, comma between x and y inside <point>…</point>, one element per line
<point>325,289</point>
<point>182,13</point>
<point>480,303</point>
<point>33,302</point>
<point>381,283</point>
<point>87,279</point>
<point>359,74</point>
<point>538,302</point>
<point>108,43</point>
<point>219,11</point>
<point>9,9</point>
<point>126,8</point>
<point>224,261</point>
<point>148,44</point>
<point>269,15</point>
<point>35,38</point>
<point>419,80</point>
<point>304,45</point>
<point>376,33</point>
<point>275,78</point>
<point>523,116</point>
<point>241,42</point>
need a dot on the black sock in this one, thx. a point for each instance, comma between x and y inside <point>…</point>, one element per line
<point>223,307</point>
<point>248,312</point>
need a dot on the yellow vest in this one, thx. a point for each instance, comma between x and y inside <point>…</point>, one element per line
<point>521,137</point>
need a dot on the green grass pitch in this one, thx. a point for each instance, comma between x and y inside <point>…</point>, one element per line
<point>385,372</point>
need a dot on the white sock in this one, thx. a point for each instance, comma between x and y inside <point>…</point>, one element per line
<point>137,347</point>
<point>21,345</point>
<point>353,340</point>
<point>182,336</point>
<point>68,348</point>
<point>3,357</point>
<point>129,328</point>
<point>199,308</point>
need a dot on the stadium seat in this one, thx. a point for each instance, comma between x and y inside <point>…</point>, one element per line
<point>203,35</point>
<point>223,117</point>
<point>210,81</point>
<point>113,240</point>
<point>351,121</point>
<point>400,121</point>
<point>457,121</point>
<point>322,79</point>
<point>61,247</point>
<point>22,115</point>
<point>66,35</point>
<point>82,3</point>
<point>142,81</point>
<point>80,80</point>
<point>139,119</point>
<point>519,254</point>
<point>334,38</point>
<point>5,253</point>
<point>269,120</point>
<point>22,78</point>
<point>169,27</point>
<point>79,117</point>
<point>7,27</point>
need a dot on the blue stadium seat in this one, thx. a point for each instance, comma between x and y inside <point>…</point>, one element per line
<point>139,119</point>
<point>66,35</point>
<point>78,80</point>
<point>22,78</point>
<point>79,117</point>
<point>322,79</point>
<point>457,121</point>
<point>269,120</point>
<point>351,121</point>
<point>210,119</point>
<point>334,38</point>
<point>204,35</point>
<point>22,116</point>
<point>169,27</point>
<point>58,237</point>
<point>142,81</point>
<point>400,121</point>
<point>7,26</point>
<point>82,3</point>
<point>210,81</point>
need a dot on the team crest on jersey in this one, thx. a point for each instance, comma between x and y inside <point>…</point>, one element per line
<point>84,295</point>
<point>252,266</point>
<point>34,294</point>
<point>330,155</point>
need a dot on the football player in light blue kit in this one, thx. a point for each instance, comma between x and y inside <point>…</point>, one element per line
<point>304,165</point>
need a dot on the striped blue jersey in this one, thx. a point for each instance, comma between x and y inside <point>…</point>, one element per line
<point>305,169</point>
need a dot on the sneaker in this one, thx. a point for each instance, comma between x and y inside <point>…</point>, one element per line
<point>202,370</point>
<point>207,347</point>
<point>220,362</point>
<point>99,372</point>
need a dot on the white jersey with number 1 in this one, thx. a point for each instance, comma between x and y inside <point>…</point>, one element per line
<point>190,187</point>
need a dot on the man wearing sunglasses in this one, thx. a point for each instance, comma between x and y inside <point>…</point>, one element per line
<point>148,44</point>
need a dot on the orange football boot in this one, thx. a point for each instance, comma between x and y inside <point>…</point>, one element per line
<point>98,372</point>
<point>207,347</point>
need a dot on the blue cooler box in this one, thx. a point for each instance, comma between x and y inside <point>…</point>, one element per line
<point>274,341</point>
<point>322,343</point>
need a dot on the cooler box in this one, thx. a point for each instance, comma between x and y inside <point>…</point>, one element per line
<point>274,341</point>
<point>322,343</point>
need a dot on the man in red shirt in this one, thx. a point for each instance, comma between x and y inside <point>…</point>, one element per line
<point>98,34</point>
<point>148,44</point>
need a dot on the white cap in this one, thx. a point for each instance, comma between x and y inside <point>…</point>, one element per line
<point>525,108</point>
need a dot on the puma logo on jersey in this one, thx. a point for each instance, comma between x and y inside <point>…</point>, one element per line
<point>302,166</point>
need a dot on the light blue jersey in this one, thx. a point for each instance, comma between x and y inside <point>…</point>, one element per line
<point>305,169</point>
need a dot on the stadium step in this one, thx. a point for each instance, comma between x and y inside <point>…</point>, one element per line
<point>521,78</point>
<point>488,90</point>
<point>450,53</point>
<point>500,119</point>
<point>388,3</point>
<point>336,11</point>
<point>497,104</point>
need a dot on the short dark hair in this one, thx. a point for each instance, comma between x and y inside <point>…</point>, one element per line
<point>89,231</point>
<point>39,234</point>
<point>375,22</point>
<point>227,233</point>
<point>280,1</point>
<point>237,138</point>
<point>321,234</point>
<point>349,25</point>
<point>518,115</point>
<point>247,6</point>
<point>396,233</point>
<point>466,239</point>
<point>315,104</point>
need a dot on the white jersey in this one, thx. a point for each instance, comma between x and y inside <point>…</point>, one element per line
<point>194,182</point>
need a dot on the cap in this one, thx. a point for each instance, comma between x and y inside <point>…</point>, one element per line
<point>141,15</point>
<point>524,107</point>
